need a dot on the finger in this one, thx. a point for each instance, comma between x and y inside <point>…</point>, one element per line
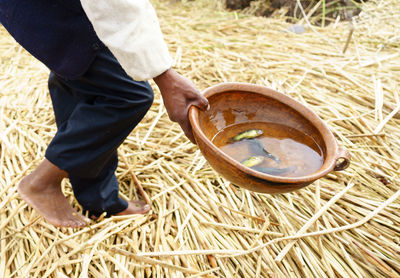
<point>201,102</point>
<point>187,129</point>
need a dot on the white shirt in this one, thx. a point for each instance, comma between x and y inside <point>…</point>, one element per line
<point>130,29</point>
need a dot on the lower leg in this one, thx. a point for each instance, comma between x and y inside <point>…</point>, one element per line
<point>106,105</point>
<point>101,193</point>
<point>42,190</point>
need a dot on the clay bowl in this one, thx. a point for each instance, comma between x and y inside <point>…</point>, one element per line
<point>235,103</point>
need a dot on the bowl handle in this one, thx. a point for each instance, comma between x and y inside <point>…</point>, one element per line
<point>342,159</point>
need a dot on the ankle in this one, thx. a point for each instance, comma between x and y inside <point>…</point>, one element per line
<point>46,175</point>
<point>50,172</point>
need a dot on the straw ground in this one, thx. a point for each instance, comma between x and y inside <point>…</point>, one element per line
<point>344,225</point>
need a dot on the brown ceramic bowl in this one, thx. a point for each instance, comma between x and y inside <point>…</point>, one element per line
<point>235,103</point>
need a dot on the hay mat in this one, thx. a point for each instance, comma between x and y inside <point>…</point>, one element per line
<point>344,225</point>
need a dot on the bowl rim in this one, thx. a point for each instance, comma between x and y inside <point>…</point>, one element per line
<point>332,147</point>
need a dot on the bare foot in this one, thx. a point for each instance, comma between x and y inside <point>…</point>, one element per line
<point>135,207</point>
<point>42,191</point>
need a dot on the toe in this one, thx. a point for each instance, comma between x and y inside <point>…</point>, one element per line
<point>146,208</point>
<point>81,224</point>
<point>141,208</point>
<point>84,219</point>
<point>75,223</point>
<point>139,202</point>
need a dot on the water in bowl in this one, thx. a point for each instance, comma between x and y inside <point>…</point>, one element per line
<point>292,153</point>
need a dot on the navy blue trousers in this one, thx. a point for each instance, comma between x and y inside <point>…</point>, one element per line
<point>94,114</point>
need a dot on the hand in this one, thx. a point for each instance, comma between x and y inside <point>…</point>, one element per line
<point>179,93</point>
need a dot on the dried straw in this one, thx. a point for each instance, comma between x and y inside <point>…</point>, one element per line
<point>344,225</point>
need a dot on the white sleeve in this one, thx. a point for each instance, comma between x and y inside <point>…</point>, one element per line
<point>130,29</point>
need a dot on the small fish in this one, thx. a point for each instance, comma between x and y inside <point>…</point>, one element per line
<point>258,148</point>
<point>274,171</point>
<point>253,161</point>
<point>248,134</point>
